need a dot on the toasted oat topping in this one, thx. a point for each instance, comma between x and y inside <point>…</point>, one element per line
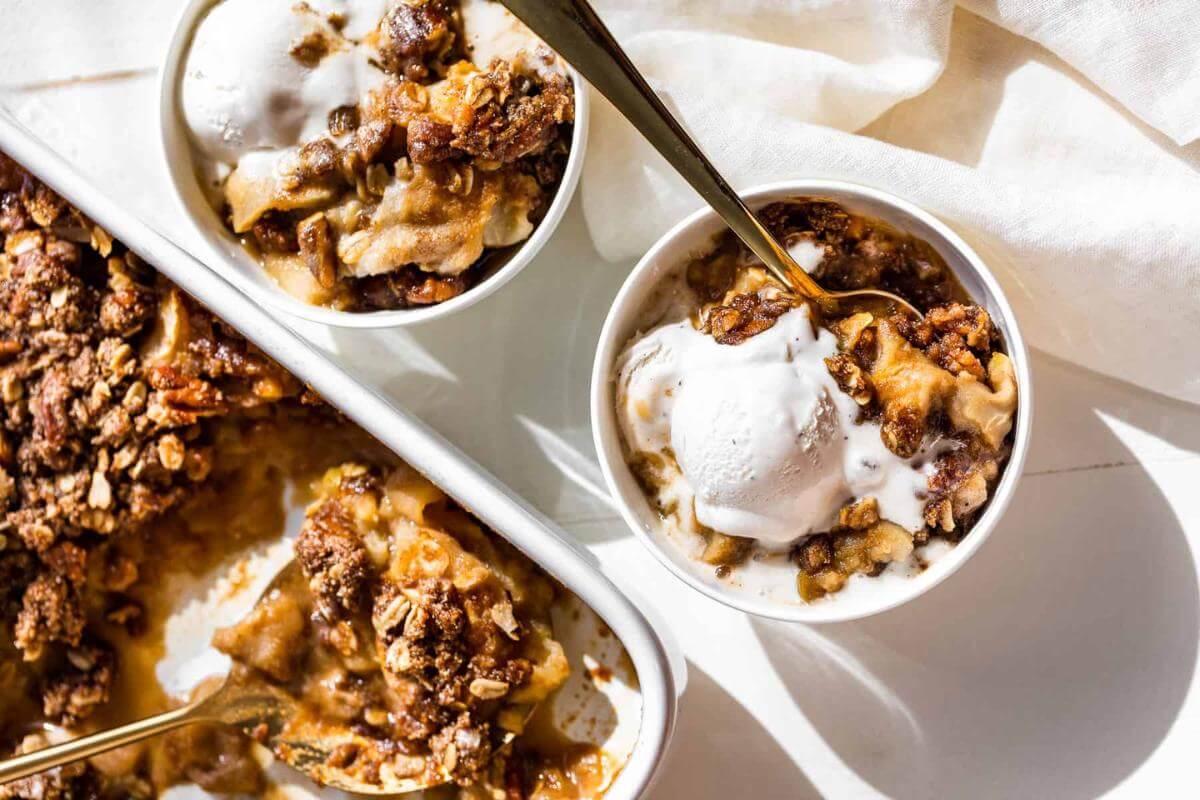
<point>336,562</point>
<point>111,381</point>
<point>510,116</point>
<point>441,649</point>
<point>419,38</point>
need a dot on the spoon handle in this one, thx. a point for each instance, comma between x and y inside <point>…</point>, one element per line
<point>87,746</point>
<point>573,29</point>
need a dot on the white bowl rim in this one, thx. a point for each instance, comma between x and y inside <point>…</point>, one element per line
<point>611,458</point>
<point>173,134</point>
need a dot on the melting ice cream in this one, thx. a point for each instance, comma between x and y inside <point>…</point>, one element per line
<point>757,436</point>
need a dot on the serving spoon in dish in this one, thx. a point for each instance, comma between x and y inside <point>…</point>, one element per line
<point>255,707</point>
<point>573,29</point>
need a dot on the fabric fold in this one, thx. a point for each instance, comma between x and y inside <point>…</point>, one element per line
<point>1087,213</point>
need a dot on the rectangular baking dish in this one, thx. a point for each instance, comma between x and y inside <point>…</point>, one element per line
<point>659,678</point>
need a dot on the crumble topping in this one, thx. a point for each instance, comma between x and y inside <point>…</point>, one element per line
<point>744,316</point>
<point>862,253</point>
<point>418,38</point>
<point>435,634</point>
<point>109,378</point>
<point>113,382</point>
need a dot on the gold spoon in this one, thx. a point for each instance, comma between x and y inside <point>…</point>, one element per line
<point>250,705</point>
<point>574,30</point>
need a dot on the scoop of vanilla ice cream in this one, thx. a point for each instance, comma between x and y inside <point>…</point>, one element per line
<point>760,445</point>
<point>242,89</point>
<point>767,446</point>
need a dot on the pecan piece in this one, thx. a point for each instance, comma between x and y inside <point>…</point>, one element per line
<point>850,377</point>
<point>316,245</point>
<point>429,141</point>
<point>744,317</point>
<point>274,234</point>
<point>417,36</point>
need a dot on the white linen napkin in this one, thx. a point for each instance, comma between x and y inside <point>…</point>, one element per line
<point>1058,137</point>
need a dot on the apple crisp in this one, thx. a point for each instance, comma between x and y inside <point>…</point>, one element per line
<point>940,391</point>
<point>416,190</point>
<point>141,434</point>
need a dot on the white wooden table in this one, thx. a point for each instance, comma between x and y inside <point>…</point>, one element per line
<point>1060,662</point>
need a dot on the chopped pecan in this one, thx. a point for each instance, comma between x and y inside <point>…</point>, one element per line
<point>317,161</point>
<point>418,35</point>
<point>903,429</point>
<point>971,322</point>
<point>316,245</point>
<point>959,487</point>
<point>859,515</point>
<point>372,138</point>
<point>504,123</point>
<point>744,317</point>
<point>430,141</point>
<point>274,233</point>
<point>410,287</point>
<point>850,378</point>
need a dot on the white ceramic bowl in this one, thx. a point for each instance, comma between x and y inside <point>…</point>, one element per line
<point>694,237</point>
<point>223,252</point>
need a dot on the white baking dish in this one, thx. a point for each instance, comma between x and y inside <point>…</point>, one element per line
<point>450,469</point>
<point>225,253</point>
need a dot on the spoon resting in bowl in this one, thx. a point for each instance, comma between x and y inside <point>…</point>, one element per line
<point>573,29</point>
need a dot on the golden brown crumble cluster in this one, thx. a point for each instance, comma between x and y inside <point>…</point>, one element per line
<point>111,381</point>
<point>434,645</point>
<point>472,144</point>
<point>861,253</point>
<point>448,669</point>
<point>859,543</point>
<point>943,376</point>
<point>745,316</point>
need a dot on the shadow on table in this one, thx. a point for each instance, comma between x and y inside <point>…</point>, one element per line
<point>721,751</point>
<point>508,380</point>
<point>1054,663</point>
